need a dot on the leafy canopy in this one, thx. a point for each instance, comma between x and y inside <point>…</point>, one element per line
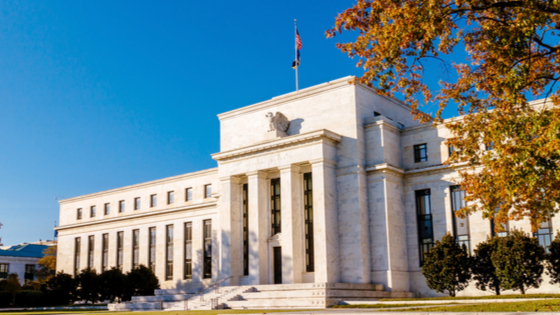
<point>511,55</point>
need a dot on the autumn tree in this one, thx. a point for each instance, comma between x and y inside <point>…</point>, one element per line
<point>446,266</point>
<point>47,264</point>
<point>519,261</point>
<point>511,50</point>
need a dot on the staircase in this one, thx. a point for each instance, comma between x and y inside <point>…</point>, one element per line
<point>281,296</point>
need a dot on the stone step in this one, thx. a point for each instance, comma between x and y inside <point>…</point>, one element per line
<point>311,286</point>
<point>281,303</point>
<point>156,298</point>
<point>319,293</point>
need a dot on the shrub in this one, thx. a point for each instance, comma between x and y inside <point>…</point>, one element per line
<point>12,286</point>
<point>484,272</point>
<point>140,281</point>
<point>553,263</point>
<point>60,289</point>
<point>87,285</point>
<point>446,266</point>
<point>112,284</point>
<point>518,260</point>
<point>29,298</point>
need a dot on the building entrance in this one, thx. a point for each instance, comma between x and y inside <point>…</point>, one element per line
<point>277,258</point>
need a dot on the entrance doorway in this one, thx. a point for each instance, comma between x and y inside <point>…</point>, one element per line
<point>277,257</point>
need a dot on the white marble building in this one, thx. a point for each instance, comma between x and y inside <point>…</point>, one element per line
<point>338,185</point>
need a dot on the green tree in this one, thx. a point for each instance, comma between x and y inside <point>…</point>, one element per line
<point>446,266</point>
<point>483,270</point>
<point>62,288</point>
<point>112,284</point>
<point>140,281</point>
<point>87,285</point>
<point>512,55</point>
<point>12,286</point>
<point>553,262</point>
<point>518,260</point>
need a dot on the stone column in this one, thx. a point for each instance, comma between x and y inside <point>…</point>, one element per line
<point>325,227</point>
<point>230,230</point>
<point>292,220</point>
<point>259,227</point>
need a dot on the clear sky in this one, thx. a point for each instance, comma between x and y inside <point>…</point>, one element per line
<point>95,95</point>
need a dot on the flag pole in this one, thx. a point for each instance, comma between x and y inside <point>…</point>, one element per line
<point>297,63</point>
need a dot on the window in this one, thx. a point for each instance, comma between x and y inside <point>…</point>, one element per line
<point>169,252</point>
<point>92,211</point>
<point>450,149</point>
<point>152,249</point>
<point>308,217</point>
<point>106,209</point>
<point>91,250</point>
<point>544,234</point>
<point>503,231</point>
<point>77,249</point>
<point>29,273</point>
<point>489,146</point>
<point>207,191</point>
<point>461,228</point>
<point>135,248</point>
<point>120,241</point>
<point>153,201</point>
<point>79,214</point>
<point>4,270</point>
<point>420,153</point>
<point>275,206</point>
<point>170,197</point>
<point>424,219</point>
<point>104,252</point>
<point>121,206</point>
<point>188,194</point>
<point>188,250</point>
<point>136,203</point>
<point>207,236</point>
<point>245,230</point>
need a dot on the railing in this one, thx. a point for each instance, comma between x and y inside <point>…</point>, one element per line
<point>201,293</point>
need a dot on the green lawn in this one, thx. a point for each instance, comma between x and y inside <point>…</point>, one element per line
<point>513,296</point>
<point>382,305</point>
<point>530,306</point>
<point>89,312</point>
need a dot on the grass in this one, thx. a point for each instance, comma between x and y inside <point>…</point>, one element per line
<point>488,297</point>
<point>529,306</point>
<point>381,305</point>
<point>214,312</point>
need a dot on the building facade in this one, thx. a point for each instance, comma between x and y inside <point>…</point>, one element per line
<point>22,260</point>
<point>330,184</point>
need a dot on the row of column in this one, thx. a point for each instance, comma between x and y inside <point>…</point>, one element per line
<point>325,230</point>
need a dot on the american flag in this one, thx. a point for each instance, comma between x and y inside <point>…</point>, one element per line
<point>298,40</point>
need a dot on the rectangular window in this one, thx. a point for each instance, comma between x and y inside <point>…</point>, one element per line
<point>136,203</point>
<point>169,252</point>
<point>424,219</point>
<point>135,248</point>
<point>153,201</point>
<point>207,191</point>
<point>106,209</point>
<point>120,246</point>
<point>503,232</point>
<point>188,250</point>
<point>544,234</point>
<point>489,146</point>
<point>207,236</point>
<point>121,206</point>
<point>188,194</point>
<point>104,252</point>
<point>461,227</point>
<point>4,270</point>
<point>450,149</point>
<point>245,230</point>
<point>170,197</point>
<point>152,249</point>
<point>308,216</point>
<point>420,153</point>
<point>92,211</point>
<point>275,206</point>
<point>29,273</point>
<point>77,250</point>
<point>79,214</point>
<point>91,250</point>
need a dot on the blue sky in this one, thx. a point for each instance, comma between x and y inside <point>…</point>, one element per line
<point>96,95</point>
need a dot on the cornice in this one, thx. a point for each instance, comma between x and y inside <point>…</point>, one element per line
<point>278,144</point>
<point>138,215</point>
<point>385,167</point>
<point>290,97</point>
<point>141,185</point>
